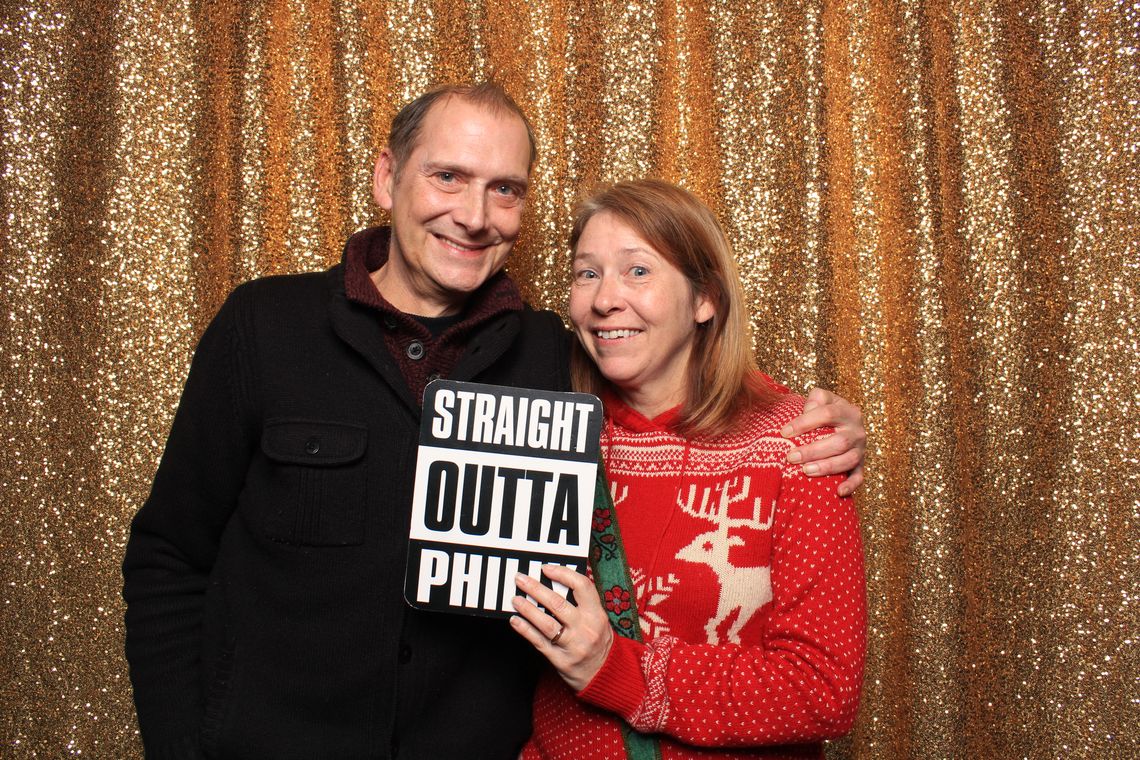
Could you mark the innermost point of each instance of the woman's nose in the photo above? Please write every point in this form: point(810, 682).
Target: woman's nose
point(608, 297)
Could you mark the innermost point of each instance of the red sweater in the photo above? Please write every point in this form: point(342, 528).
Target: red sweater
point(750, 591)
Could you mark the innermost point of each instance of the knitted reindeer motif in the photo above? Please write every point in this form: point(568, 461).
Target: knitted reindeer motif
point(743, 590)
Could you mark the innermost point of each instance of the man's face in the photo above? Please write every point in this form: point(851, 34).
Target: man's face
point(456, 206)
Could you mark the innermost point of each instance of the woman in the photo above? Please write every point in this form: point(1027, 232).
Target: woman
point(748, 575)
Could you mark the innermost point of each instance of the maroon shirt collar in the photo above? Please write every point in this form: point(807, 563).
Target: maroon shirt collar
point(367, 251)
point(420, 356)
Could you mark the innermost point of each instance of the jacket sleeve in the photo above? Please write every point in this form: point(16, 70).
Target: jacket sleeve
point(174, 541)
point(801, 682)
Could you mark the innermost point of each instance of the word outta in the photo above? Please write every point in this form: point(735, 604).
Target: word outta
point(475, 513)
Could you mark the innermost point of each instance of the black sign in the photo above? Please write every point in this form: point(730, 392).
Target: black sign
point(504, 484)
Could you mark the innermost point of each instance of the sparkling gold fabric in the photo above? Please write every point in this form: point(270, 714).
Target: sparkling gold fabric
point(935, 208)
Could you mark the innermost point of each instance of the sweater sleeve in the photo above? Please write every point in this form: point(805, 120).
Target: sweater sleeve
point(174, 541)
point(800, 682)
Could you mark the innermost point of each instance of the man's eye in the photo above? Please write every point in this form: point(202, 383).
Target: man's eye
point(586, 274)
point(446, 176)
point(507, 190)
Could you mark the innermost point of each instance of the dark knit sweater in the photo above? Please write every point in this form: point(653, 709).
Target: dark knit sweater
point(264, 574)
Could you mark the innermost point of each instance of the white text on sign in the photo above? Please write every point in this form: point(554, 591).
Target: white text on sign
point(475, 581)
point(509, 421)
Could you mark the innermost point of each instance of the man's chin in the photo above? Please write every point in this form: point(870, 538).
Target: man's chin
point(466, 279)
point(456, 291)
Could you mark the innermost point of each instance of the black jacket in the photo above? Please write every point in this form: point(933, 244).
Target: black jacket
point(264, 574)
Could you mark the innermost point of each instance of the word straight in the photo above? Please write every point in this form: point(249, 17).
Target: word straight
point(504, 420)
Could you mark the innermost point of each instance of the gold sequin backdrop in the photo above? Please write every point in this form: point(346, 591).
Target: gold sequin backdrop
point(934, 205)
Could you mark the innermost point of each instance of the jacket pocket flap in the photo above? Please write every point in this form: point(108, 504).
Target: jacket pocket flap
point(313, 443)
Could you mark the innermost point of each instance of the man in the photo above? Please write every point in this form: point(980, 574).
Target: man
point(264, 574)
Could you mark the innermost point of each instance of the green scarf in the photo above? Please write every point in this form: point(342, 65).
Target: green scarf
point(611, 576)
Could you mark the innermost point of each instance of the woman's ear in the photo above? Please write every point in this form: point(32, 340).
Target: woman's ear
point(703, 309)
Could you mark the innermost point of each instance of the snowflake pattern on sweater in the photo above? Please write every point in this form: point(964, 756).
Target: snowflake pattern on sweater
point(748, 578)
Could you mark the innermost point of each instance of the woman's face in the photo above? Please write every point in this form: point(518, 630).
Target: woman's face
point(635, 314)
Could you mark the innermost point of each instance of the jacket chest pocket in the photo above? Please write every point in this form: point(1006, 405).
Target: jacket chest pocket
point(315, 483)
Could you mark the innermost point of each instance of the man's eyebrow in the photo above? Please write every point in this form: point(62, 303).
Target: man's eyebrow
point(437, 166)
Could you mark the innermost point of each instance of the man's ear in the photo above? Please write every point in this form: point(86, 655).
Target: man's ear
point(384, 179)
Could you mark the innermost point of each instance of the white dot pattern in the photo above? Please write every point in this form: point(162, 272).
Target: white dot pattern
point(750, 590)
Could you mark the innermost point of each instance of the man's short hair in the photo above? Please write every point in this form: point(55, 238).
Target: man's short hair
point(403, 137)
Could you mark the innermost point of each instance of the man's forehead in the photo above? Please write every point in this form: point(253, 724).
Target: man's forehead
point(454, 110)
point(456, 122)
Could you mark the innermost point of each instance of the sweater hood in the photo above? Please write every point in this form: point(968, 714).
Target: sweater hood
point(629, 418)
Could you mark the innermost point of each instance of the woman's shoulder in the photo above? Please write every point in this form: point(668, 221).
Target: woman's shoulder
point(766, 421)
point(769, 418)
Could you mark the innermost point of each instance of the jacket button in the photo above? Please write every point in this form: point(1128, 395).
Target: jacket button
point(415, 350)
point(313, 445)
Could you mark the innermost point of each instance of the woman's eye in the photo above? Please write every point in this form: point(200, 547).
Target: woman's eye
point(638, 271)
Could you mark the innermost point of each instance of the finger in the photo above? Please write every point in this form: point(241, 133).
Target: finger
point(854, 480)
point(831, 445)
point(820, 416)
point(818, 397)
point(554, 602)
point(585, 593)
point(836, 465)
point(528, 631)
point(546, 625)
point(567, 577)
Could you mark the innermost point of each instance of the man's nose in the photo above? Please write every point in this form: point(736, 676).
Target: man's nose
point(472, 211)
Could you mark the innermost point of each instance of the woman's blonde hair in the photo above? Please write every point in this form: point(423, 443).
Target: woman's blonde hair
point(722, 375)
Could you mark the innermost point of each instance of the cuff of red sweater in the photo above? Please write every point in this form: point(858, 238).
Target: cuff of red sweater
point(619, 686)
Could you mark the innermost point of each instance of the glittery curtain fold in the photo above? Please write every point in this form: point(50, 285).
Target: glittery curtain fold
point(934, 206)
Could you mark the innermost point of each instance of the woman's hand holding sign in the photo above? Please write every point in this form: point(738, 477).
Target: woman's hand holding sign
point(575, 639)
